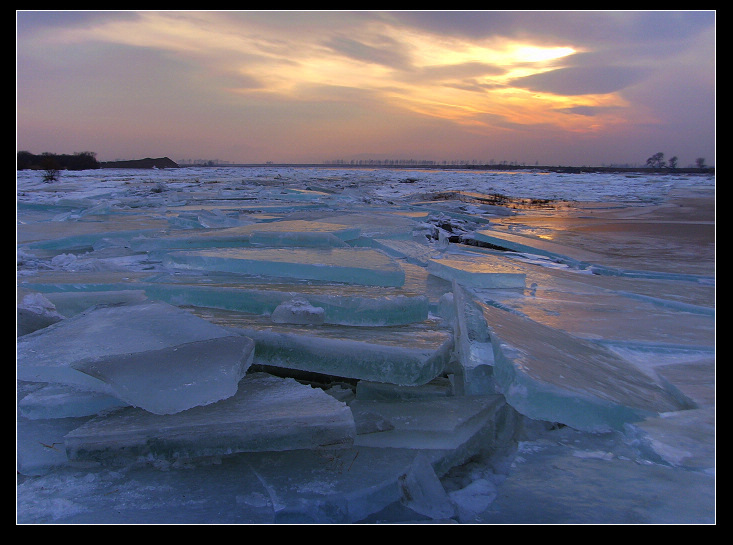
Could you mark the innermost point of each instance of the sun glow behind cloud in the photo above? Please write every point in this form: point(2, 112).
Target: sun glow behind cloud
point(290, 68)
point(283, 64)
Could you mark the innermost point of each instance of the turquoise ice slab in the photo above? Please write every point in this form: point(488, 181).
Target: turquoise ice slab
point(151, 355)
point(477, 270)
point(267, 414)
point(408, 355)
point(547, 374)
point(351, 265)
point(365, 309)
point(69, 235)
point(275, 233)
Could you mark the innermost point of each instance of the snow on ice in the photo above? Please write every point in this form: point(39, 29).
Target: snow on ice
point(258, 345)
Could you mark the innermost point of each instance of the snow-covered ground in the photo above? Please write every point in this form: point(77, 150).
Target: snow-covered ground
point(498, 346)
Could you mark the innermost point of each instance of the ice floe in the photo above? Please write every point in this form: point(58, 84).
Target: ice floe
point(265, 345)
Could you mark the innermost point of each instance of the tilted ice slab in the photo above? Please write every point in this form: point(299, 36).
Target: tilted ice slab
point(151, 355)
point(547, 374)
point(474, 352)
point(276, 233)
point(63, 401)
point(407, 355)
point(34, 312)
point(78, 235)
point(352, 265)
point(477, 270)
point(335, 303)
point(266, 414)
point(437, 423)
point(519, 243)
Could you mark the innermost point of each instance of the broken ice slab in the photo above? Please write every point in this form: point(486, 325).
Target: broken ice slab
point(266, 414)
point(276, 233)
point(350, 485)
point(374, 223)
point(40, 443)
point(680, 438)
point(413, 251)
point(297, 311)
point(379, 391)
point(473, 363)
point(351, 265)
point(81, 281)
point(84, 234)
point(407, 355)
point(477, 270)
point(72, 303)
point(612, 308)
point(63, 401)
point(34, 311)
point(315, 240)
point(150, 355)
point(435, 423)
point(338, 303)
point(547, 374)
point(322, 486)
point(519, 243)
point(577, 478)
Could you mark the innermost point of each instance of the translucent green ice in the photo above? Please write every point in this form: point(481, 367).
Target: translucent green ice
point(352, 265)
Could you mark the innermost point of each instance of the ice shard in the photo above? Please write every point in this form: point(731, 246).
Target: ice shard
point(474, 352)
point(150, 355)
point(550, 375)
point(267, 414)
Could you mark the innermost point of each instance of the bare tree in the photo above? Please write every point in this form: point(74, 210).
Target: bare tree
point(50, 169)
point(656, 161)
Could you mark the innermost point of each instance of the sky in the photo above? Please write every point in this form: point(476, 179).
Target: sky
point(526, 87)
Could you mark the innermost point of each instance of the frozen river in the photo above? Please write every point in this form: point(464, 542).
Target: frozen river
point(269, 344)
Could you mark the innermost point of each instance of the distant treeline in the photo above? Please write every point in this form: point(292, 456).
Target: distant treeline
point(158, 162)
point(84, 160)
point(78, 161)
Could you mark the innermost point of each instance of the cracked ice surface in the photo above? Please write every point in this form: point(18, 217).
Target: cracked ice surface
point(292, 345)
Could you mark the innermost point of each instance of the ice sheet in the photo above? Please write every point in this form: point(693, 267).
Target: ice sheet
point(612, 327)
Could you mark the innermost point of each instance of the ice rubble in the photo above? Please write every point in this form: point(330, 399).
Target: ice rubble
point(193, 357)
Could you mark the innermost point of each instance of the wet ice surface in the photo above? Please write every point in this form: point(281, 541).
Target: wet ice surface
point(300, 345)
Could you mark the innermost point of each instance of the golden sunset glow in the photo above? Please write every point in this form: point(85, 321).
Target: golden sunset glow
point(363, 65)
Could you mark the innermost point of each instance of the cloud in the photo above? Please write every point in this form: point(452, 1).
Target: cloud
point(387, 53)
point(581, 80)
point(271, 76)
point(458, 71)
point(583, 28)
point(588, 111)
